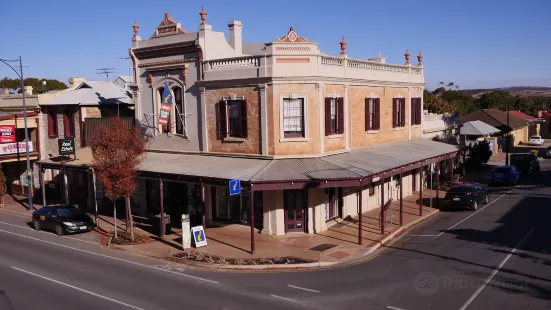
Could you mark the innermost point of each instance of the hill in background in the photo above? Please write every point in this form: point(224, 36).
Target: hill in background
point(522, 91)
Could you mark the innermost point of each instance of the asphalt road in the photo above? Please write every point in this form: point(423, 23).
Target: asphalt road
point(496, 258)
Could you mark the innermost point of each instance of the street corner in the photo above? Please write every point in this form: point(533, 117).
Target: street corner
point(426, 283)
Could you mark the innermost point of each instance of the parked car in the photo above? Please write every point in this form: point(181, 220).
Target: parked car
point(505, 175)
point(547, 153)
point(466, 196)
point(526, 162)
point(536, 140)
point(62, 219)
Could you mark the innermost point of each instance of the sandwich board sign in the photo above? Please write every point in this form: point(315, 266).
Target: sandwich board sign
point(199, 236)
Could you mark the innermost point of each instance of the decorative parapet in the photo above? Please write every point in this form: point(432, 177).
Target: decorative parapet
point(232, 63)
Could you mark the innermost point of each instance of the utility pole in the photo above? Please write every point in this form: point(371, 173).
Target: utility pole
point(508, 137)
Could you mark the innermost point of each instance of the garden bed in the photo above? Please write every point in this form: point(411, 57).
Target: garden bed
point(212, 259)
point(123, 238)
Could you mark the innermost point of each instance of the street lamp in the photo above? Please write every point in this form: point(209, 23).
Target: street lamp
point(28, 173)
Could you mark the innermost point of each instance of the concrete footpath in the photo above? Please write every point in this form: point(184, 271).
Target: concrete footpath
point(229, 246)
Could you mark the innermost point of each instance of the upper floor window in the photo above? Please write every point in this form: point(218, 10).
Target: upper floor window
point(52, 124)
point(69, 124)
point(232, 115)
point(179, 109)
point(372, 114)
point(293, 118)
point(398, 112)
point(334, 116)
point(416, 111)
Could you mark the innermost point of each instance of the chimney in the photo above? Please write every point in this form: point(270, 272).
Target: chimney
point(28, 90)
point(75, 81)
point(236, 41)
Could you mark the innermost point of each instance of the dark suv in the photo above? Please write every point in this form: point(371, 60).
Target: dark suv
point(526, 163)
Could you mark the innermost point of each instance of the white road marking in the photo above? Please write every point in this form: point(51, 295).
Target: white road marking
point(463, 220)
point(303, 288)
point(284, 298)
point(10, 212)
point(468, 302)
point(28, 228)
point(78, 289)
point(424, 235)
point(395, 308)
point(110, 257)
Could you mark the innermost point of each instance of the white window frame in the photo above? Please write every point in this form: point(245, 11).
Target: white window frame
point(304, 98)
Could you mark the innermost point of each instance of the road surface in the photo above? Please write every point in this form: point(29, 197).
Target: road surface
point(496, 258)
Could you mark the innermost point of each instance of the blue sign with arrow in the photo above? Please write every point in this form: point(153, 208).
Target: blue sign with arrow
point(235, 187)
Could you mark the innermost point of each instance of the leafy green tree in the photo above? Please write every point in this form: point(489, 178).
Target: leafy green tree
point(496, 99)
point(51, 84)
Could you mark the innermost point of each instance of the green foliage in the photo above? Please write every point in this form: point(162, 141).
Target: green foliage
point(480, 152)
point(496, 99)
point(51, 84)
point(3, 188)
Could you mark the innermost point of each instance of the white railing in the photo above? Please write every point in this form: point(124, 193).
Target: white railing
point(232, 63)
point(416, 70)
point(369, 65)
point(331, 61)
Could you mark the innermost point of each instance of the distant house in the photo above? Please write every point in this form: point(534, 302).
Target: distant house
point(442, 127)
point(534, 127)
point(123, 82)
point(545, 119)
point(518, 127)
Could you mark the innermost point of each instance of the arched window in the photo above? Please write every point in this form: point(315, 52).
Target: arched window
point(178, 109)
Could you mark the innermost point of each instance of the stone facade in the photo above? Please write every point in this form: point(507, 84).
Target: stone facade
point(51, 147)
point(249, 145)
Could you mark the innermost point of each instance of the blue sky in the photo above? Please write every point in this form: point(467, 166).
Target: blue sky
point(483, 43)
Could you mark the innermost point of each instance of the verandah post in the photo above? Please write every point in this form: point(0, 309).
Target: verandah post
point(360, 239)
point(252, 221)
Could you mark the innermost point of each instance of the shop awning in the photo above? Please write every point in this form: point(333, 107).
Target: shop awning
point(351, 166)
point(82, 162)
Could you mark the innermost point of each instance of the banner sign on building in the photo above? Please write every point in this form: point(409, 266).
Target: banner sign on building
point(7, 133)
point(166, 106)
point(14, 148)
point(66, 146)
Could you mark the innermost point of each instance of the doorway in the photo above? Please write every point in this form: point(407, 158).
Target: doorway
point(295, 205)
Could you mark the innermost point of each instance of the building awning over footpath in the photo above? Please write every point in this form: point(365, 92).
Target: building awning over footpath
point(363, 165)
point(347, 169)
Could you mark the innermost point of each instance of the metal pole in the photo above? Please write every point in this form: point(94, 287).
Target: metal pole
point(360, 238)
point(252, 221)
point(95, 195)
point(115, 216)
point(421, 191)
point(26, 136)
point(162, 205)
point(438, 185)
point(391, 196)
point(430, 190)
point(401, 200)
point(42, 186)
point(382, 216)
point(508, 137)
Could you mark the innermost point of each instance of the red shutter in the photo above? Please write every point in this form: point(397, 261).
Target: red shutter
point(222, 124)
point(419, 111)
point(66, 125)
point(51, 124)
point(412, 111)
point(377, 114)
point(328, 116)
point(243, 119)
point(394, 116)
point(367, 113)
point(403, 112)
point(340, 116)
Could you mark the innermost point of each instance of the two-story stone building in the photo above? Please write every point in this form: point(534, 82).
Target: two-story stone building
point(311, 137)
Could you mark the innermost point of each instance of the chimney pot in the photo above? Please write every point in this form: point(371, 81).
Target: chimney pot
point(28, 90)
point(75, 81)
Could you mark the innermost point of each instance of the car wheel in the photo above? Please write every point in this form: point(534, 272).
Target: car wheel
point(59, 230)
point(514, 182)
point(487, 199)
point(475, 206)
point(36, 225)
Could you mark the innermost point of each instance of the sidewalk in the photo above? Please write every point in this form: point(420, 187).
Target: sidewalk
point(338, 244)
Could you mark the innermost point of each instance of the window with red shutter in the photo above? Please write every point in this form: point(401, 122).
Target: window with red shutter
point(340, 113)
point(377, 114)
point(237, 119)
point(69, 124)
point(368, 114)
point(419, 111)
point(329, 117)
point(52, 124)
point(394, 113)
point(413, 109)
point(402, 112)
point(222, 121)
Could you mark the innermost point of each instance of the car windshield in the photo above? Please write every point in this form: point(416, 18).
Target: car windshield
point(69, 211)
point(502, 170)
point(535, 137)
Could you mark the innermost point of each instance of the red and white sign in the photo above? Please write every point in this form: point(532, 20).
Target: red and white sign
point(7, 133)
point(14, 148)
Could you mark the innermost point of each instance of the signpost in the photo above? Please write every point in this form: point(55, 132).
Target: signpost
point(199, 236)
point(66, 146)
point(186, 233)
point(7, 133)
point(235, 187)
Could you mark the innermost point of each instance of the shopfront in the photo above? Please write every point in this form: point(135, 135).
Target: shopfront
point(236, 208)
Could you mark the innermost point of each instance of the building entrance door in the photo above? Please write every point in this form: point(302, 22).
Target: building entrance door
point(295, 205)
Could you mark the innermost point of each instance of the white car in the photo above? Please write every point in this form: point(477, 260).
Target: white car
point(536, 140)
